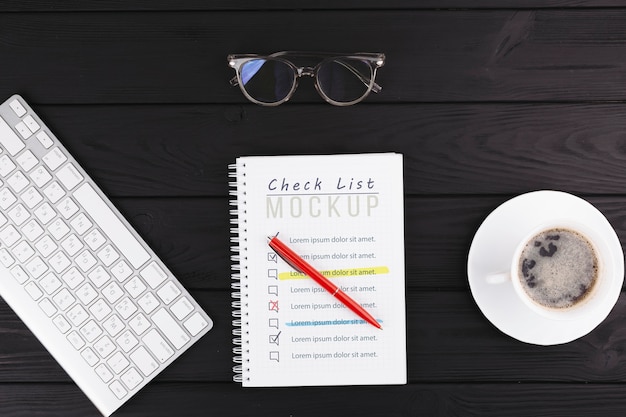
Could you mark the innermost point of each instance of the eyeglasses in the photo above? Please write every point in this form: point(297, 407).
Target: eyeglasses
point(341, 79)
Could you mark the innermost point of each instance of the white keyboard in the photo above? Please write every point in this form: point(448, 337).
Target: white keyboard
point(78, 275)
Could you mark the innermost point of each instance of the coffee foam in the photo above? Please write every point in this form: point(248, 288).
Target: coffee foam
point(558, 268)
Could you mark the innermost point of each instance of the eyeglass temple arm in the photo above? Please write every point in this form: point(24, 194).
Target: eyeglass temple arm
point(375, 87)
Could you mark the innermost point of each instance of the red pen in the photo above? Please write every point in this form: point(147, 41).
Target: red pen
point(300, 265)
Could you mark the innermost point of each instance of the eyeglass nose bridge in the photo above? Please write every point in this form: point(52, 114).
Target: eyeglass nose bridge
point(302, 71)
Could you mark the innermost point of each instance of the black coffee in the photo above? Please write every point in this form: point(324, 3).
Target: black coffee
point(558, 268)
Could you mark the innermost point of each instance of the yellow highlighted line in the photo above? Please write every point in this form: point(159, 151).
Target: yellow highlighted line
point(339, 273)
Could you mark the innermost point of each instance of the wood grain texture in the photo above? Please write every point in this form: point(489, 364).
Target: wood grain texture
point(449, 149)
point(449, 340)
point(199, 400)
point(265, 5)
point(192, 236)
point(432, 55)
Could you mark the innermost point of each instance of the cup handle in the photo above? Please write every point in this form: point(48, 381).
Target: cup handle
point(498, 278)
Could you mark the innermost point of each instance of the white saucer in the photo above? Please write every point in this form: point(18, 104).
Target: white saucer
point(491, 252)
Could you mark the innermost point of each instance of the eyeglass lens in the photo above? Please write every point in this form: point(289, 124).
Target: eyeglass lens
point(267, 80)
point(341, 79)
point(344, 79)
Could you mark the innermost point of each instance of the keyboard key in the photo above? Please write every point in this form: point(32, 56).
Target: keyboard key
point(33, 290)
point(81, 224)
point(153, 274)
point(36, 267)
point(19, 214)
point(9, 235)
point(45, 213)
point(72, 245)
point(54, 192)
point(17, 181)
point(77, 315)
point(126, 308)
point(121, 271)
point(61, 324)
point(195, 324)
point(40, 176)
point(103, 372)
point(170, 328)
point(131, 378)
point(87, 293)
point(31, 197)
point(127, 341)
point(6, 165)
point(22, 251)
point(113, 292)
point(54, 158)
point(27, 160)
point(157, 345)
point(17, 107)
point(31, 123)
point(67, 208)
point(99, 276)
point(60, 262)
point(5, 258)
point(118, 389)
point(90, 331)
point(58, 229)
point(94, 239)
point(108, 255)
point(47, 307)
point(44, 139)
point(90, 356)
point(9, 140)
point(168, 292)
point(104, 347)
point(113, 325)
point(7, 198)
point(50, 283)
point(144, 361)
point(135, 287)
point(139, 324)
point(46, 246)
point(100, 309)
point(75, 339)
point(23, 130)
point(148, 303)
point(69, 176)
point(72, 278)
point(32, 230)
point(182, 308)
point(63, 299)
point(85, 261)
point(102, 214)
point(3, 219)
point(19, 274)
point(118, 362)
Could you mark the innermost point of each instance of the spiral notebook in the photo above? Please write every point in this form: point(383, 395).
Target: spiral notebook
point(344, 215)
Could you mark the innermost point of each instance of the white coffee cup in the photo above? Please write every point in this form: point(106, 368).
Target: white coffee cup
point(598, 294)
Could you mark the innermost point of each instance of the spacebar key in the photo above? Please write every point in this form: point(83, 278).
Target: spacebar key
point(111, 225)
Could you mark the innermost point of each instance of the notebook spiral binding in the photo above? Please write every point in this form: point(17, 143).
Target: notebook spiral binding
point(238, 251)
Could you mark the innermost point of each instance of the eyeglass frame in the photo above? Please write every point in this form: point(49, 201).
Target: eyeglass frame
point(375, 61)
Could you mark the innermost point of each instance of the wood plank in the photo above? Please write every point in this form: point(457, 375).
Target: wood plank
point(192, 236)
point(327, 5)
point(433, 55)
point(485, 400)
point(448, 148)
point(448, 339)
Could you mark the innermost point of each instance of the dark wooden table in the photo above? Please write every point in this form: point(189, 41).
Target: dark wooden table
point(486, 101)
